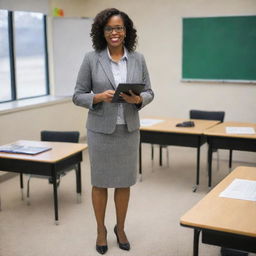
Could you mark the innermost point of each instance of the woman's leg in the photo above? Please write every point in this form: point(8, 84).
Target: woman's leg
point(99, 201)
point(122, 196)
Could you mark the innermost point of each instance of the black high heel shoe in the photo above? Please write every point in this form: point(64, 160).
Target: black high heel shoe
point(123, 246)
point(102, 249)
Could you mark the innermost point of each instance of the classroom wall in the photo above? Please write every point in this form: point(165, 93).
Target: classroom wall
point(27, 124)
point(74, 8)
point(159, 25)
point(25, 5)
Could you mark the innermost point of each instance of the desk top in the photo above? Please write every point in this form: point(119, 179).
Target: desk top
point(220, 130)
point(225, 214)
point(59, 151)
point(169, 125)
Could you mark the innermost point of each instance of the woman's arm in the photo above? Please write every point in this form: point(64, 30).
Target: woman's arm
point(105, 96)
point(83, 95)
point(148, 95)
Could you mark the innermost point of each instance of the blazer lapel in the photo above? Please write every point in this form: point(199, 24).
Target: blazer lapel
point(104, 60)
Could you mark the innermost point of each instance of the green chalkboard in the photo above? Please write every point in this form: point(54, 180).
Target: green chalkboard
point(219, 48)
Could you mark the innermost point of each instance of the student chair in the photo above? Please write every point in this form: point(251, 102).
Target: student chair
point(57, 136)
point(210, 115)
point(207, 115)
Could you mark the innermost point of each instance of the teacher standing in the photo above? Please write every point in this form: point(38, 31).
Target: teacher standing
point(112, 128)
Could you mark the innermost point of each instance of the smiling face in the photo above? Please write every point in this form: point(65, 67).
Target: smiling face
point(114, 32)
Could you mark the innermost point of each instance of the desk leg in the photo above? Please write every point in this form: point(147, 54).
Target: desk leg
point(78, 183)
point(21, 186)
point(196, 241)
point(197, 169)
point(55, 197)
point(198, 165)
point(230, 158)
point(209, 165)
point(160, 155)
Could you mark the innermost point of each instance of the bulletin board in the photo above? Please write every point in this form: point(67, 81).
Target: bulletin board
point(219, 49)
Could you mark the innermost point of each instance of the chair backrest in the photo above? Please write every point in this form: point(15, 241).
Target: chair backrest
point(70, 136)
point(207, 115)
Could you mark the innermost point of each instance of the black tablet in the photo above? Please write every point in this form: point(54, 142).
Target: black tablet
point(136, 88)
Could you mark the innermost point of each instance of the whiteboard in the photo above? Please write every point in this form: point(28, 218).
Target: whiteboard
point(71, 40)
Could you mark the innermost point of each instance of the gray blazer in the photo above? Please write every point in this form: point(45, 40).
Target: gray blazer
point(95, 76)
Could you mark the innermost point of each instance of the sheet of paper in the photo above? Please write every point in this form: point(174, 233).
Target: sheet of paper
point(240, 130)
point(241, 189)
point(149, 122)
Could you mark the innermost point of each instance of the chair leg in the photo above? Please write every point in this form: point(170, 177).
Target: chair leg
point(152, 156)
point(21, 186)
point(28, 183)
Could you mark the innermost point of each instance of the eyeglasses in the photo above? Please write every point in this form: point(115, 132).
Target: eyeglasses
point(118, 29)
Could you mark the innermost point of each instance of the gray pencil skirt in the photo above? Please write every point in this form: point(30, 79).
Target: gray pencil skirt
point(113, 157)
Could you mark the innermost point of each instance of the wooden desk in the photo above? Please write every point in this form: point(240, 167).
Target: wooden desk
point(225, 222)
point(166, 133)
point(49, 163)
point(218, 138)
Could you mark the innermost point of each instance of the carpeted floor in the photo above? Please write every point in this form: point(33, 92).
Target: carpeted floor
point(152, 226)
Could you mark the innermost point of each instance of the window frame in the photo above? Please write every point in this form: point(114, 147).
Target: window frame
point(13, 84)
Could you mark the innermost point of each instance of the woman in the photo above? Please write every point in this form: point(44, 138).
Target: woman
point(112, 128)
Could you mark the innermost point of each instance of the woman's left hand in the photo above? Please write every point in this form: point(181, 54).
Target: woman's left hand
point(135, 99)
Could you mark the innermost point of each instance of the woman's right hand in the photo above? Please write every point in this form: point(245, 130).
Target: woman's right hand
point(105, 96)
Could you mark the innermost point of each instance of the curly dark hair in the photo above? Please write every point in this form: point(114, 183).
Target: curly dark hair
point(99, 42)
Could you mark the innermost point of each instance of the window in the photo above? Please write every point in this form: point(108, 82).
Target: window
point(5, 73)
point(23, 59)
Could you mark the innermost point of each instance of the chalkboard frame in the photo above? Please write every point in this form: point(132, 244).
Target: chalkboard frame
point(199, 46)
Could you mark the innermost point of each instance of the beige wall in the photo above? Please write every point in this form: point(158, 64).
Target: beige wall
point(25, 5)
point(72, 8)
point(27, 124)
point(159, 25)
